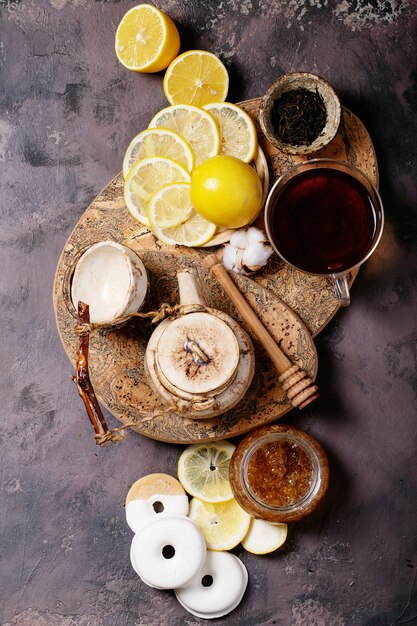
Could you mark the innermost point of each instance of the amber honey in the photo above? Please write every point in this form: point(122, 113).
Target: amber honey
point(279, 473)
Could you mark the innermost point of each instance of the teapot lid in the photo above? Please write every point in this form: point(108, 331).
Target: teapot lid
point(198, 353)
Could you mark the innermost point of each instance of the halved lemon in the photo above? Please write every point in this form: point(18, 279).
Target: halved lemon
point(196, 77)
point(237, 131)
point(203, 471)
point(196, 126)
point(264, 537)
point(158, 142)
point(147, 176)
point(147, 40)
point(223, 524)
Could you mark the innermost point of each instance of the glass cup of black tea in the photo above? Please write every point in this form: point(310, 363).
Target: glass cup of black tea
point(325, 217)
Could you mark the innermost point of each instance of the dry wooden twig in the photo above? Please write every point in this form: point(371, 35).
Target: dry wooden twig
point(83, 383)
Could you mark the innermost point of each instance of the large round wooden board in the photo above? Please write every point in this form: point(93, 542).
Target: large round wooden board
point(280, 296)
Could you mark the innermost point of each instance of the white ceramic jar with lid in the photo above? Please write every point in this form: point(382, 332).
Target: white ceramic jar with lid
point(200, 361)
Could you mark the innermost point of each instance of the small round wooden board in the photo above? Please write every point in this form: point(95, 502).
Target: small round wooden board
point(292, 305)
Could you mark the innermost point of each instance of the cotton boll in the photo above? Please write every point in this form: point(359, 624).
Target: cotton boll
point(229, 257)
point(239, 239)
point(239, 269)
point(255, 235)
point(247, 252)
point(232, 259)
point(256, 255)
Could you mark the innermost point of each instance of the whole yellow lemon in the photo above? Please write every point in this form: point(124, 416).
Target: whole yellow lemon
point(226, 191)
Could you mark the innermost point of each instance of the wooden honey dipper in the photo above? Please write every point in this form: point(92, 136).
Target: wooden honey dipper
point(299, 387)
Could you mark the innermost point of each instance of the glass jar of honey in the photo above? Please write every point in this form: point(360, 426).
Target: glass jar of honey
point(279, 473)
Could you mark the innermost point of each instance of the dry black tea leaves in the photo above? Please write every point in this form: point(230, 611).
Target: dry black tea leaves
point(298, 116)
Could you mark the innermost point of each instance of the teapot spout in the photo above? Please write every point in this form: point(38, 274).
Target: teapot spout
point(188, 288)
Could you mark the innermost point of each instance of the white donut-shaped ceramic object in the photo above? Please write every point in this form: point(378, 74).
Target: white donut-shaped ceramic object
point(218, 587)
point(141, 577)
point(152, 495)
point(140, 512)
point(168, 551)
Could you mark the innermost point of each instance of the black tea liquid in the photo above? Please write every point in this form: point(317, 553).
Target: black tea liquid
point(323, 221)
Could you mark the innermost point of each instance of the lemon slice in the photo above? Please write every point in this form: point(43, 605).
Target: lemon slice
point(196, 126)
point(264, 537)
point(158, 142)
point(196, 77)
point(147, 40)
point(170, 206)
point(194, 232)
point(203, 470)
point(237, 131)
point(173, 219)
point(144, 178)
point(223, 524)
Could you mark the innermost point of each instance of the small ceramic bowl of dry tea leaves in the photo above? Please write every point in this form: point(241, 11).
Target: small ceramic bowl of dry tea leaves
point(300, 113)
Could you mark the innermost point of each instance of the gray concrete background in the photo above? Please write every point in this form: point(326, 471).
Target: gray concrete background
point(67, 112)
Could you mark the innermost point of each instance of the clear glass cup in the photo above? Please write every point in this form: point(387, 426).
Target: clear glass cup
point(353, 184)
